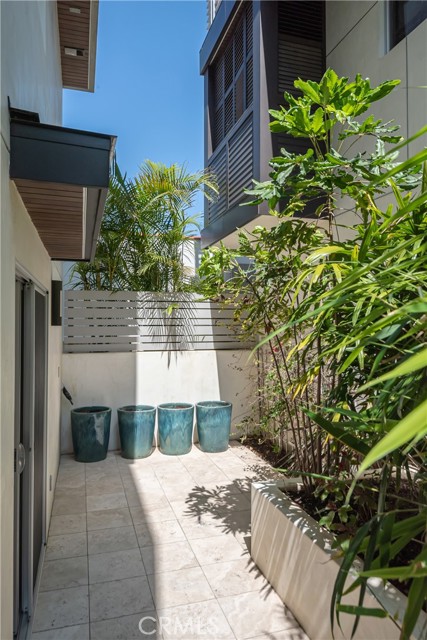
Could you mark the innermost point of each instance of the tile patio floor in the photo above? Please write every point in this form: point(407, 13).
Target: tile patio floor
point(163, 538)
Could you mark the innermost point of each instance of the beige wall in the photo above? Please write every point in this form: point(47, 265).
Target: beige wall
point(356, 42)
point(153, 377)
point(31, 77)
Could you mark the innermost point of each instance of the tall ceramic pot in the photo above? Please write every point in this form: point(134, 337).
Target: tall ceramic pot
point(213, 419)
point(175, 425)
point(136, 429)
point(90, 429)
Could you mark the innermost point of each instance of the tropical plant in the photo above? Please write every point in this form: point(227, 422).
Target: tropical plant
point(339, 313)
point(146, 231)
point(327, 114)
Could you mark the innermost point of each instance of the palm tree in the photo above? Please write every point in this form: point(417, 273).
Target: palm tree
point(146, 230)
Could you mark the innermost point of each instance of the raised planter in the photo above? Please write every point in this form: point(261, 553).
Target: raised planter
point(90, 429)
point(294, 553)
point(175, 428)
point(213, 419)
point(136, 429)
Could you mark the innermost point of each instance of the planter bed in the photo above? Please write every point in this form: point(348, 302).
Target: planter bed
point(295, 555)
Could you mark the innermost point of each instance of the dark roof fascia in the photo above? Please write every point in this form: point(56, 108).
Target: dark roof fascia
point(222, 18)
point(64, 156)
point(49, 153)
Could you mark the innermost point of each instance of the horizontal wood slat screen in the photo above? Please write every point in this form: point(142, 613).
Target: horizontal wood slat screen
point(123, 321)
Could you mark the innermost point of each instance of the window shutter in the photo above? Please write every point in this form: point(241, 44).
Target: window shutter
point(233, 78)
point(300, 47)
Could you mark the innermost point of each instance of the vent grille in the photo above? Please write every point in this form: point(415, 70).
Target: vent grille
point(233, 169)
point(229, 112)
point(228, 67)
point(301, 18)
point(249, 27)
point(219, 82)
point(219, 125)
point(219, 168)
point(238, 47)
point(239, 98)
point(249, 82)
point(240, 163)
point(300, 42)
point(297, 60)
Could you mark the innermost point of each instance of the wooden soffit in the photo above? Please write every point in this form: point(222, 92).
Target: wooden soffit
point(62, 176)
point(78, 28)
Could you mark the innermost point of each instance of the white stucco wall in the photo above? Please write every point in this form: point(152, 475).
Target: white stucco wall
point(153, 377)
point(31, 77)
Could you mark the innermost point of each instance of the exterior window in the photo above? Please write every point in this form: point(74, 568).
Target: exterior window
point(232, 79)
point(404, 16)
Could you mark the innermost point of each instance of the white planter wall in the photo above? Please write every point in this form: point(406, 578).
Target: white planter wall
point(295, 556)
point(153, 377)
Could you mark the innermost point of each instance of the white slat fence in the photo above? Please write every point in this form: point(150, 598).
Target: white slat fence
point(123, 321)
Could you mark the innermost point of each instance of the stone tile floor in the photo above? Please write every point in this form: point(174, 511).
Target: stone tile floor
point(157, 548)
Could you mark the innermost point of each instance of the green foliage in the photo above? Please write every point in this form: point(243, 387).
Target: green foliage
point(145, 231)
point(341, 310)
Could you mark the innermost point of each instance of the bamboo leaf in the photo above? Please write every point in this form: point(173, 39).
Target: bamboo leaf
point(362, 611)
point(340, 433)
point(410, 365)
point(413, 426)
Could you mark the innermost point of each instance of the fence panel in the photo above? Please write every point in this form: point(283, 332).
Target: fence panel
point(123, 321)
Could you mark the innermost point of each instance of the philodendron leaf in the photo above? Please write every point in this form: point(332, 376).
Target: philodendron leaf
point(411, 427)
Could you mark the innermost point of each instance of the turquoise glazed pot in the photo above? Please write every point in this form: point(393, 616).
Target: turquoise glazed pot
point(90, 428)
point(175, 423)
point(136, 429)
point(213, 419)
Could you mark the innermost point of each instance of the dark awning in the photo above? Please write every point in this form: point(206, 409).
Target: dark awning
point(62, 176)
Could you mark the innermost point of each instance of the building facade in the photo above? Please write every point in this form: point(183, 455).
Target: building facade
point(51, 209)
point(253, 52)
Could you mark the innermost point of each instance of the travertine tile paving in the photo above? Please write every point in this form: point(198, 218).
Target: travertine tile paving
point(157, 548)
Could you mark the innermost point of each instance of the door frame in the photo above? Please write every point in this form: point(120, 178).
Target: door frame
point(27, 379)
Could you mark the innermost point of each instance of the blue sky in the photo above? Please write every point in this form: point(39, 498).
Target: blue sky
point(148, 90)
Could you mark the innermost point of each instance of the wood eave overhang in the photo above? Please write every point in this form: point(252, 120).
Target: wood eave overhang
point(78, 29)
point(62, 176)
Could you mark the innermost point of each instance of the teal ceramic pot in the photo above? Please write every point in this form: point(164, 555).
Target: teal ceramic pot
point(136, 429)
point(90, 428)
point(175, 424)
point(213, 419)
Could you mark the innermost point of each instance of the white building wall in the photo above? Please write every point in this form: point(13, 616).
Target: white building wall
point(31, 78)
point(154, 377)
